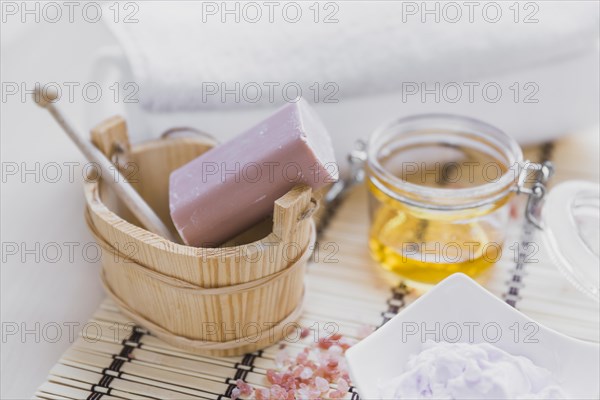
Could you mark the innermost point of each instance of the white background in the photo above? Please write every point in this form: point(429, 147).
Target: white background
point(44, 292)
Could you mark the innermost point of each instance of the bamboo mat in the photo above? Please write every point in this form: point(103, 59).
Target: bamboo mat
point(114, 359)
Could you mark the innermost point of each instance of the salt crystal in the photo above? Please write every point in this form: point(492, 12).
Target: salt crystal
point(342, 385)
point(235, 393)
point(262, 394)
point(277, 392)
point(321, 384)
point(273, 377)
point(306, 373)
point(244, 388)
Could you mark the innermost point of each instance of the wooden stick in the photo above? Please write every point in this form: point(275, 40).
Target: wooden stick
point(117, 182)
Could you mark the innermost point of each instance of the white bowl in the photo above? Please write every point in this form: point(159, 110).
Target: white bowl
point(459, 305)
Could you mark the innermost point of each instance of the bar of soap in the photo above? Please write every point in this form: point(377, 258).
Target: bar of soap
point(234, 185)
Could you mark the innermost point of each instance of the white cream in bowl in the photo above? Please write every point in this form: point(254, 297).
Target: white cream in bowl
point(470, 371)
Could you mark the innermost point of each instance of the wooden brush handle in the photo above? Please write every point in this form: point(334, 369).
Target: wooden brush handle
point(117, 182)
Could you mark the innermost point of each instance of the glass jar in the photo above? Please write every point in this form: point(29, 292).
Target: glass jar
point(439, 195)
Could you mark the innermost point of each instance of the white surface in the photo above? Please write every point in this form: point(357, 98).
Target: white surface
point(42, 292)
point(68, 291)
point(460, 301)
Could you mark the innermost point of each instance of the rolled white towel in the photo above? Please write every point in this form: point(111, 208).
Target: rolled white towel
point(185, 56)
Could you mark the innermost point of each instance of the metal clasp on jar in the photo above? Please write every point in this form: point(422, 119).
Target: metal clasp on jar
point(356, 159)
point(542, 173)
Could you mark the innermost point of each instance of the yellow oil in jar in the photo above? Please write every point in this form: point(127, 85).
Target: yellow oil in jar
point(427, 245)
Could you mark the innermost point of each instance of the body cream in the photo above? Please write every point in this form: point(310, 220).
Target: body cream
point(470, 371)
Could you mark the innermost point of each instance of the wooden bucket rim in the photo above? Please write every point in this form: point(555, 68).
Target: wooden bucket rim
point(185, 286)
point(95, 204)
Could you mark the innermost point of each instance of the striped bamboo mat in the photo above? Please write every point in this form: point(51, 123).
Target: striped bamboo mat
point(115, 359)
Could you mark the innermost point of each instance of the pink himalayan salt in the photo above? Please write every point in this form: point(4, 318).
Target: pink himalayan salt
point(262, 394)
point(273, 377)
point(306, 373)
point(277, 392)
point(328, 341)
point(245, 389)
point(326, 363)
point(321, 384)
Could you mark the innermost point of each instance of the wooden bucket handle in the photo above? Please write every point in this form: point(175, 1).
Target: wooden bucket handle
point(292, 209)
point(111, 138)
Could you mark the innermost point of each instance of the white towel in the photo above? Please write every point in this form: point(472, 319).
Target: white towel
point(370, 54)
point(179, 51)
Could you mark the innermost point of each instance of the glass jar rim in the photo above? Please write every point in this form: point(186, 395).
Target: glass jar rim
point(490, 190)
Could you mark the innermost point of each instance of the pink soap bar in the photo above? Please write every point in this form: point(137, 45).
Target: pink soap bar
point(234, 185)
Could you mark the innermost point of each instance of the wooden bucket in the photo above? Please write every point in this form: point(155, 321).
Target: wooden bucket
point(218, 301)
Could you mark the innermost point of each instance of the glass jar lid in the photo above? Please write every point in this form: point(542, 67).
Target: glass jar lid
point(571, 216)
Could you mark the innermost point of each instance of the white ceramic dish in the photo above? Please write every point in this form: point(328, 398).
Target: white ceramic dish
point(459, 305)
